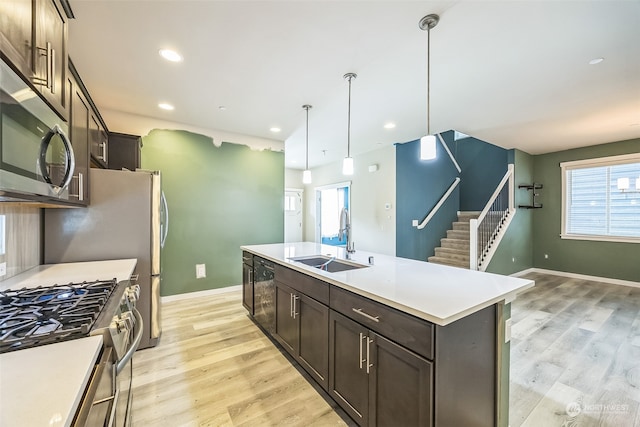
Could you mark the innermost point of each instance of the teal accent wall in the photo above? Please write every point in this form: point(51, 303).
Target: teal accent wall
point(515, 252)
point(219, 199)
point(419, 186)
point(482, 167)
point(421, 183)
point(602, 259)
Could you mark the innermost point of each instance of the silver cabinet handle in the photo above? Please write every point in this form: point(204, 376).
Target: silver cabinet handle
point(290, 305)
point(47, 52)
point(369, 341)
point(368, 316)
point(360, 359)
point(295, 298)
point(80, 194)
point(52, 62)
point(103, 147)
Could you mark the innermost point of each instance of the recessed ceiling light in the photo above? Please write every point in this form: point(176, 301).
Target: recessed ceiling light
point(166, 106)
point(170, 55)
point(275, 129)
point(389, 125)
point(595, 61)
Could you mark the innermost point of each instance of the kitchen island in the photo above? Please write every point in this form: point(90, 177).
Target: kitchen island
point(391, 340)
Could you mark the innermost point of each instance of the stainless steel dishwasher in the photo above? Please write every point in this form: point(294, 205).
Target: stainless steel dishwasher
point(264, 290)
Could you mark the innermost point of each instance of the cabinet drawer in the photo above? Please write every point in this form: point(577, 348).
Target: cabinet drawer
point(408, 331)
point(309, 286)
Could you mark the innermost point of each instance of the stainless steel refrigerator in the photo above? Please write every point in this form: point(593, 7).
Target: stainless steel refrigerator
point(127, 218)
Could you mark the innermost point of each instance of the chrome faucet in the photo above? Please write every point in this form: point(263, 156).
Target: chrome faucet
point(345, 229)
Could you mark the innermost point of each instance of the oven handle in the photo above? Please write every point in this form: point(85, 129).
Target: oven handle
point(134, 346)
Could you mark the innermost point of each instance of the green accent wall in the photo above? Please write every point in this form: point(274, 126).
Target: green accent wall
point(602, 259)
point(515, 252)
point(219, 198)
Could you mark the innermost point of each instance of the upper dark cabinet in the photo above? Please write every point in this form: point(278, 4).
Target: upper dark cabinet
point(33, 38)
point(98, 141)
point(124, 151)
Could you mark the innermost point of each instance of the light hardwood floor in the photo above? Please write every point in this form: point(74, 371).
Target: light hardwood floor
point(573, 341)
point(575, 344)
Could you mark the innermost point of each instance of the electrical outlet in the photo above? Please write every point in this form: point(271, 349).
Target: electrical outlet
point(546, 256)
point(3, 269)
point(201, 271)
point(513, 259)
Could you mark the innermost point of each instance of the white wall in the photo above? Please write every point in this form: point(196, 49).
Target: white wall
point(293, 178)
point(374, 227)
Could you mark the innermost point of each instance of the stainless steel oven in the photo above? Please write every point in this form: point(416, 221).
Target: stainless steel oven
point(36, 156)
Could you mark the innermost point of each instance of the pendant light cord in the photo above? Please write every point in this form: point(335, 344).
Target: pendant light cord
point(428, 81)
point(349, 122)
point(306, 107)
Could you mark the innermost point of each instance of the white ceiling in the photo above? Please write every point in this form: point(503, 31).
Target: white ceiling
point(512, 73)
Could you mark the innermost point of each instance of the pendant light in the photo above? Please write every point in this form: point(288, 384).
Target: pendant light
point(306, 175)
point(347, 164)
point(428, 142)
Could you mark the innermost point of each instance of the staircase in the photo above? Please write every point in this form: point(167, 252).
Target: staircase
point(454, 249)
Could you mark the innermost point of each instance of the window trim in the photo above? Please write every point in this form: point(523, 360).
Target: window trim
point(594, 162)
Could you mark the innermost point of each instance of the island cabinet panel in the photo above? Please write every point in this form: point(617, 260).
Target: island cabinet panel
point(310, 286)
point(376, 381)
point(302, 328)
point(408, 331)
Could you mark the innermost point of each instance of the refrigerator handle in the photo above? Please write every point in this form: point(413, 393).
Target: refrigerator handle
point(165, 226)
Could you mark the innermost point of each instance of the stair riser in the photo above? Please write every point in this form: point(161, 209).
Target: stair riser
point(461, 226)
point(458, 234)
point(454, 244)
point(452, 256)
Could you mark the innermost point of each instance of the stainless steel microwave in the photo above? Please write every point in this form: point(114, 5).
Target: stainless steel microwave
point(36, 156)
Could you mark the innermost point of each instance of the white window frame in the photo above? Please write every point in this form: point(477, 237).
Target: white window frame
point(597, 162)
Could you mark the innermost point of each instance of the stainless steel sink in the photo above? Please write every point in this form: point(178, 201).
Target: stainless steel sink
point(327, 263)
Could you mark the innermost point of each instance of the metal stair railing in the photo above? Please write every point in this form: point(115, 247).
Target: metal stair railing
point(486, 231)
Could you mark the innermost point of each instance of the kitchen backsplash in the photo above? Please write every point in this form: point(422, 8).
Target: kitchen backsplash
point(22, 238)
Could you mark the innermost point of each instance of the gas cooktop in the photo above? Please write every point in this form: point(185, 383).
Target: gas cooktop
point(45, 315)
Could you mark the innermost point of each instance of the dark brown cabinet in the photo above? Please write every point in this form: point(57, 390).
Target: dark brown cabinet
point(50, 53)
point(33, 37)
point(302, 329)
point(124, 151)
point(98, 141)
point(376, 381)
point(79, 110)
point(16, 26)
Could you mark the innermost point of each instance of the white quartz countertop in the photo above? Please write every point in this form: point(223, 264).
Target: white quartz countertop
point(437, 293)
point(41, 386)
point(64, 273)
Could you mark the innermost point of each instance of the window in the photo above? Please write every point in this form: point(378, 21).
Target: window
point(601, 199)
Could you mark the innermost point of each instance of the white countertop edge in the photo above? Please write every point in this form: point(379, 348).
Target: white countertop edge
point(441, 321)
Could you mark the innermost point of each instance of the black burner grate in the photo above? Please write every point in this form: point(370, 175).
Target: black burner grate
point(44, 315)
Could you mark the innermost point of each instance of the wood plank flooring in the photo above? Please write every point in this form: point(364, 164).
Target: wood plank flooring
point(575, 345)
point(575, 354)
point(215, 367)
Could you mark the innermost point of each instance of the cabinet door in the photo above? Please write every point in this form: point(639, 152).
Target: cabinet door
point(247, 287)
point(286, 321)
point(16, 21)
point(79, 136)
point(313, 338)
point(50, 53)
point(400, 385)
point(348, 378)
point(98, 142)
point(124, 151)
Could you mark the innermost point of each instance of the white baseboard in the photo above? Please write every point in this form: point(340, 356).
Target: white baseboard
point(198, 294)
point(578, 276)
